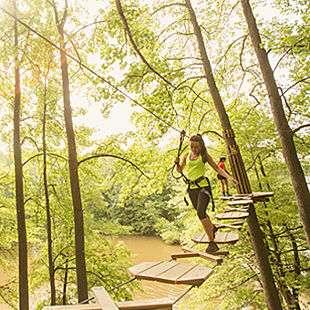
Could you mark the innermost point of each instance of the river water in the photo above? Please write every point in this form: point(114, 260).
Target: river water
point(151, 249)
point(145, 249)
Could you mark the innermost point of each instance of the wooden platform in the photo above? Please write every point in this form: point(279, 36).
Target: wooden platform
point(189, 252)
point(105, 302)
point(255, 194)
point(228, 209)
point(232, 215)
point(171, 272)
point(147, 304)
point(151, 304)
point(230, 226)
point(220, 237)
point(226, 197)
point(243, 202)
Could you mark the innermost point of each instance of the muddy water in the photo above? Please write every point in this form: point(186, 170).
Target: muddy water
point(145, 249)
point(149, 249)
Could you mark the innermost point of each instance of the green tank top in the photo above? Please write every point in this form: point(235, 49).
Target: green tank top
point(195, 169)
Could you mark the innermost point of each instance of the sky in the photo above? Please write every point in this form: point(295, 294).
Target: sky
point(119, 118)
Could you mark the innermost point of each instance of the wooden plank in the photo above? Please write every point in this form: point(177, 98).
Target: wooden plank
point(74, 307)
point(134, 270)
point(232, 215)
point(147, 304)
point(262, 194)
point(236, 223)
point(196, 276)
point(184, 255)
point(220, 225)
point(163, 304)
point(103, 298)
point(157, 270)
point(240, 202)
point(204, 255)
point(173, 274)
point(220, 237)
point(226, 197)
point(245, 196)
point(228, 209)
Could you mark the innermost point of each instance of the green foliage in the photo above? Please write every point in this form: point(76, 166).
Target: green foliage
point(117, 197)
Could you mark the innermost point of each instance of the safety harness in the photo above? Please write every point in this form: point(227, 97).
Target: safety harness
point(187, 180)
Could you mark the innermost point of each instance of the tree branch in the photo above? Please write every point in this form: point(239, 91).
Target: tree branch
point(257, 155)
point(300, 127)
point(40, 154)
point(127, 29)
point(114, 156)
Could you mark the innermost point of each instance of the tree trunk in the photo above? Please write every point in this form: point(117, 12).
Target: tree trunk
point(65, 284)
point(285, 132)
point(48, 212)
point(74, 180)
point(234, 156)
point(19, 191)
point(237, 165)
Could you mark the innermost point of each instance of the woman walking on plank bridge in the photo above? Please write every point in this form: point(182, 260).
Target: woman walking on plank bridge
point(198, 188)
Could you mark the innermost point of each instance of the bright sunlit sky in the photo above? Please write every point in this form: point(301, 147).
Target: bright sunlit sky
point(119, 118)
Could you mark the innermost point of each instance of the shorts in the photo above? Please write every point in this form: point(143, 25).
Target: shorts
point(200, 198)
point(220, 177)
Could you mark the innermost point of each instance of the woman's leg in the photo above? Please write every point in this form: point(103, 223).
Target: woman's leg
point(226, 185)
point(222, 185)
point(202, 204)
point(200, 200)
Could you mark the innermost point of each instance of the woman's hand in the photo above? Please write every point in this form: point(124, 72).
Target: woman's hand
point(235, 182)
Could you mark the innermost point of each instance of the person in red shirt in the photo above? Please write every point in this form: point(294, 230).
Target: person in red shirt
point(222, 179)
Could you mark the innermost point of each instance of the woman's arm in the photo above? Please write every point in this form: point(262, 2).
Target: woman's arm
point(182, 163)
point(219, 170)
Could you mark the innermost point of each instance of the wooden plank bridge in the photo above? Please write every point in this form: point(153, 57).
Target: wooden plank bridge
point(175, 272)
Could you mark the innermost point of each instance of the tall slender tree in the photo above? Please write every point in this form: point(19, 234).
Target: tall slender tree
point(47, 203)
point(286, 134)
point(19, 190)
point(261, 253)
point(73, 162)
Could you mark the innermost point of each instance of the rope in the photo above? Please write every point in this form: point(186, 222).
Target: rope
point(120, 285)
point(181, 296)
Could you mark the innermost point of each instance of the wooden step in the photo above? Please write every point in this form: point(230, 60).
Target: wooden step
point(254, 195)
point(226, 197)
point(243, 202)
point(189, 252)
point(232, 215)
point(220, 237)
point(206, 255)
point(144, 304)
point(228, 209)
point(103, 299)
point(230, 226)
point(74, 307)
point(151, 304)
point(171, 272)
point(236, 223)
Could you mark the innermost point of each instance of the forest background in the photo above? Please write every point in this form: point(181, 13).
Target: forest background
point(125, 178)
